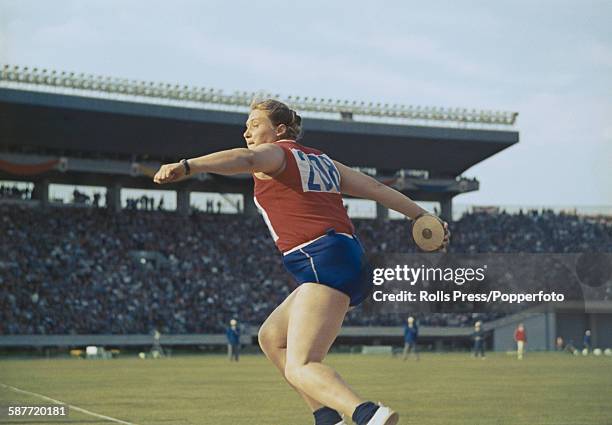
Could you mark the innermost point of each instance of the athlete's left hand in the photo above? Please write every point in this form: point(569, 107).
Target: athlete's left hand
point(169, 173)
point(446, 237)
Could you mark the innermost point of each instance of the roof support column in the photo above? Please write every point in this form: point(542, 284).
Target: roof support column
point(249, 207)
point(182, 201)
point(113, 197)
point(446, 205)
point(41, 192)
point(382, 212)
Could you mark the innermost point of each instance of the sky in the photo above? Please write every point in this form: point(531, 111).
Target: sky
point(551, 61)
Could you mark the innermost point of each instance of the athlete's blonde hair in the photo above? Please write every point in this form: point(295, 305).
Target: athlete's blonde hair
point(279, 113)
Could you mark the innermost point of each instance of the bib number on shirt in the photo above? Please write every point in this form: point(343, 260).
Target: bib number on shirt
point(317, 172)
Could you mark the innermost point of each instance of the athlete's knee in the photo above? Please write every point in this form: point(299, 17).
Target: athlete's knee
point(263, 338)
point(293, 374)
point(269, 338)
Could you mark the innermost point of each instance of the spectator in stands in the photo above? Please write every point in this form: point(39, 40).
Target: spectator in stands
point(80, 197)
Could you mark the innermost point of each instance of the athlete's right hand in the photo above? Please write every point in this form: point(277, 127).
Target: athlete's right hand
point(169, 173)
point(447, 234)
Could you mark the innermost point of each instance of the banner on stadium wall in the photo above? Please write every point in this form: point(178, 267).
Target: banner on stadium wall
point(143, 169)
point(28, 169)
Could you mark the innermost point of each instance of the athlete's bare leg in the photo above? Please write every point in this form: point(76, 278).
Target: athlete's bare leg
point(317, 312)
point(273, 341)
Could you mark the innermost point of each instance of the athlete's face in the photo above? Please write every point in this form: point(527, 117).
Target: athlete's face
point(259, 129)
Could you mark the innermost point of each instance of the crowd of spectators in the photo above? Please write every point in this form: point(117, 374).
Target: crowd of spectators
point(144, 202)
point(15, 192)
point(81, 198)
point(91, 271)
point(532, 231)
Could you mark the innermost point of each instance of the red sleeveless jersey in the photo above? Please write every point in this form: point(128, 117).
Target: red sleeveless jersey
point(304, 200)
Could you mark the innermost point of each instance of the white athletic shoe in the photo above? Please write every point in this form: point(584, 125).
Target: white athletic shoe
point(342, 423)
point(384, 416)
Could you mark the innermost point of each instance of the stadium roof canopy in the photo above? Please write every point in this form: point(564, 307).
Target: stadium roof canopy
point(34, 120)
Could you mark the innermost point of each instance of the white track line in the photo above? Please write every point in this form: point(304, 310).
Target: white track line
point(78, 409)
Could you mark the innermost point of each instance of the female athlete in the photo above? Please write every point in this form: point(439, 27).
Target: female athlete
point(298, 190)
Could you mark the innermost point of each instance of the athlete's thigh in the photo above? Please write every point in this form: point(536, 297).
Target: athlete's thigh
point(274, 328)
point(316, 316)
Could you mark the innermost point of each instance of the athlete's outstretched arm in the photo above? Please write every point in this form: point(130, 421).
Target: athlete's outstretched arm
point(355, 183)
point(266, 158)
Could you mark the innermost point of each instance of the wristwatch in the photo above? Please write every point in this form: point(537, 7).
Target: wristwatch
point(186, 165)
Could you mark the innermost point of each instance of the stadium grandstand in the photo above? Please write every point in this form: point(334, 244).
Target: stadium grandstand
point(114, 133)
point(107, 272)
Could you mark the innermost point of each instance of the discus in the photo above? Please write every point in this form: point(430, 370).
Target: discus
point(428, 232)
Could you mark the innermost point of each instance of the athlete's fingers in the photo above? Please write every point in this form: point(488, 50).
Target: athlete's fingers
point(161, 176)
point(168, 173)
point(446, 239)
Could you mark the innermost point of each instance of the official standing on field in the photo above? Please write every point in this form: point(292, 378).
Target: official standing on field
point(411, 334)
point(478, 335)
point(586, 341)
point(233, 340)
point(520, 336)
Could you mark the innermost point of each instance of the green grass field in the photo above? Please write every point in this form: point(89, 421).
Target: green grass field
point(440, 389)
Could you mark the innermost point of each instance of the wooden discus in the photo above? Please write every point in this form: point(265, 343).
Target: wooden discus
point(428, 232)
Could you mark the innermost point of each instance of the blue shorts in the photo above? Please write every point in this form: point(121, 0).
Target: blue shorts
point(336, 260)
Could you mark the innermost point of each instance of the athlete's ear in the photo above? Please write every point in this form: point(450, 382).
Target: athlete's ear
point(281, 130)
